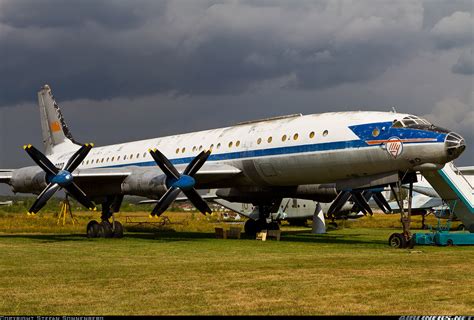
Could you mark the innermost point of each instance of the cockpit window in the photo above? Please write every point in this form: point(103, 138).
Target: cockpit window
point(397, 124)
point(410, 121)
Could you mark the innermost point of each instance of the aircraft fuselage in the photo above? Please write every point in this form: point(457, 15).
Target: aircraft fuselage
point(298, 150)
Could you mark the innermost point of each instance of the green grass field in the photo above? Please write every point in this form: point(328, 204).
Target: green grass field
point(181, 269)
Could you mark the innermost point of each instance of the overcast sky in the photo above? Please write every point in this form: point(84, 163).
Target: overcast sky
point(126, 70)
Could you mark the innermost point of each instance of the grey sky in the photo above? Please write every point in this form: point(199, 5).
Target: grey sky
point(125, 70)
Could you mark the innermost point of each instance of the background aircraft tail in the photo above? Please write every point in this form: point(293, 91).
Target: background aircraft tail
point(56, 134)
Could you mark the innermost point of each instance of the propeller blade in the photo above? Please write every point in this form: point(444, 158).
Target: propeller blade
point(44, 196)
point(41, 160)
point(197, 201)
point(165, 165)
point(184, 182)
point(356, 208)
point(367, 194)
point(80, 196)
point(197, 163)
point(170, 195)
point(77, 157)
point(337, 204)
point(361, 202)
point(382, 202)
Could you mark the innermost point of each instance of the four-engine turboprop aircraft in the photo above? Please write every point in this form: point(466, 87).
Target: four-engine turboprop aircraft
point(319, 157)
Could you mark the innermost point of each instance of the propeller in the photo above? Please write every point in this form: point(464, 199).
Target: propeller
point(177, 182)
point(338, 203)
point(361, 201)
point(381, 202)
point(59, 178)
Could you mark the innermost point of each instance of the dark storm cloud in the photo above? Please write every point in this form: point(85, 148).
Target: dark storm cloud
point(465, 63)
point(105, 49)
point(434, 11)
point(454, 31)
point(59, 14)
point(125, 70)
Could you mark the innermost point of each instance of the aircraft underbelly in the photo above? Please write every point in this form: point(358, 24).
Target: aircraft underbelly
point(323, 167)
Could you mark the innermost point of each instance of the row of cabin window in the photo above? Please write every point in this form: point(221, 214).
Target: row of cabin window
point(86, 162)
point(218, 146)
point(312, 134)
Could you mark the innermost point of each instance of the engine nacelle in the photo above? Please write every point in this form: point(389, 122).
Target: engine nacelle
point(28, 180)
point(145, 183)
point(317, 192)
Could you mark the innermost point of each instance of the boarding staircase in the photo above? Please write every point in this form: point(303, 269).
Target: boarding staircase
point(453, 187)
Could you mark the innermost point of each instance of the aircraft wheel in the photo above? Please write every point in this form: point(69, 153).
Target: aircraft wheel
point(411, 243)
point(251, 227)
point(461, 227)
point(105, 229)
point(272, 226)
point(93, 229)
point(397, 240)
point(118, 230)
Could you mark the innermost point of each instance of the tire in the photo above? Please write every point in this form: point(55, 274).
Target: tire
point(251, 227)
point(117, 230)
point(93, 229)
point(397, 240)
point(450, 243)
point(411, 243)
point(105, 230)
point(333, 225)
point(461, 227)
point(272, 226)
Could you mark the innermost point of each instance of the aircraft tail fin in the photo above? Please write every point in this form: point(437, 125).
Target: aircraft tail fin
point(56, 134)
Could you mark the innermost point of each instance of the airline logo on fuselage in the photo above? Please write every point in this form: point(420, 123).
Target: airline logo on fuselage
point(394, 147)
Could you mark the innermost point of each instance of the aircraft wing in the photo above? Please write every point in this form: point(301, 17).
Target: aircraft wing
point(91, 174)
point(207, 174)
point(427, 191)
point(211, 172)
point(206, 196)
point(5, 175)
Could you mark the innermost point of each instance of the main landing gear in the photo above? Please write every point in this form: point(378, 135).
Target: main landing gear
point(107, 229)
point(404, 239)
point(264, 222)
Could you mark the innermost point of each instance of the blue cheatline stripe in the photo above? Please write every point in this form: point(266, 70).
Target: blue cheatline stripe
point(456, 190)
point(267, 152)
point(386, 131)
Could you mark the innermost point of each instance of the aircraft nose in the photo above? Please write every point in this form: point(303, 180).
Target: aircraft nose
point(454, 145)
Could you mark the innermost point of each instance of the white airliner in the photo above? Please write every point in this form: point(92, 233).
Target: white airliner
point(321, 157)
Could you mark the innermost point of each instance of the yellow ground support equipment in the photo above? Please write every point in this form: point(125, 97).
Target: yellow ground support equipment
point(65, 211)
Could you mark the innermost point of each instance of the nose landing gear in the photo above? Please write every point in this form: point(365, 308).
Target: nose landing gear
point(404, 239)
